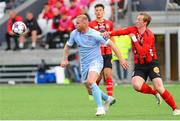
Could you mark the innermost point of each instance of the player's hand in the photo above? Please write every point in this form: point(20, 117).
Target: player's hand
point(105, 34)
point(11, 33)
point(124, 63)
point(64, 63)
point(133, 37)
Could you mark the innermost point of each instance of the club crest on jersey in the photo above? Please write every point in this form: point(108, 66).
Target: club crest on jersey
point(156, 70)
point(90, 37)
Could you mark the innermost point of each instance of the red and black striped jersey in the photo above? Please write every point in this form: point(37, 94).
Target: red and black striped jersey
point(144, 49)
point(106, 25)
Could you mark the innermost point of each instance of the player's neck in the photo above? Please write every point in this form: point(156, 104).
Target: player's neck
point(142, 30)
point(100, 19)
point(85, 30)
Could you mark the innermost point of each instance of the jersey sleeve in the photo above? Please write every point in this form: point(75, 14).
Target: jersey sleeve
point(125, 31)
point(71, 40)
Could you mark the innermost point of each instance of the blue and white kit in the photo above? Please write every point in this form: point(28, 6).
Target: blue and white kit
point(89, 50)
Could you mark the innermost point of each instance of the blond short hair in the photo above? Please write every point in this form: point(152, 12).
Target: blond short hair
point(147, 18)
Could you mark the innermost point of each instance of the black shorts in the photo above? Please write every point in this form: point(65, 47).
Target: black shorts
point(29, 34)
point(107, 61)
point(150, 70)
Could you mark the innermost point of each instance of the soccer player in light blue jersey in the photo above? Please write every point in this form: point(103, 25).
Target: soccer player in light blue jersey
point(88, 41)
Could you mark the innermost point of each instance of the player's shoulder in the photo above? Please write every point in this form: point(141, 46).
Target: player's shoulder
point(92, 22)
point(74, 32)
point(149, 32)
point(108, 21)
point(93, 31)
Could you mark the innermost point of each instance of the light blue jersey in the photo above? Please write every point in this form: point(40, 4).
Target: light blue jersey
point(89, 50)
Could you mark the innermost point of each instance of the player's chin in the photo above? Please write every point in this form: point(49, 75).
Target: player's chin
point(78, 29)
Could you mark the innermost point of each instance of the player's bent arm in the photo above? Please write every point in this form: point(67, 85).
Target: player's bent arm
point(65, 56)
point(123, 62)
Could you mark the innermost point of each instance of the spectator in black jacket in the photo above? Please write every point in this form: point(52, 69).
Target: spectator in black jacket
point(33, 30)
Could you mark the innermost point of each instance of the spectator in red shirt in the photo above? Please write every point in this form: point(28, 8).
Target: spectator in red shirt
point(47, 12)
point(145, 59)
point(52, 2)
point(10, 34)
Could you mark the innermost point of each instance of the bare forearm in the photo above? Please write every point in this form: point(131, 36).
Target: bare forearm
point(115, 49)
point(65, 52)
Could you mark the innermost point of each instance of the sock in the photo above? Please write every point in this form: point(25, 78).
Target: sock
point(169, 99)
point(147, 89)
point(109, 86)
point(97, 94)
point(104, 96)
point(33, 44)
point(21, 45)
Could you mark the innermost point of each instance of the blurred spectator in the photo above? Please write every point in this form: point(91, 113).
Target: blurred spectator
point(45, 19)
point(10, 34)
point(52, 2)
point(2, 7)
point(60, 6)
point(85, 3)
point(54, 32)
point(66, 26)
point(74, 9)
point(47, 12)
point(33, 30)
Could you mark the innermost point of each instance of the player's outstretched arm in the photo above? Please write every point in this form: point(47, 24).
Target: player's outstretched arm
point(65, 62)
point(123, 62)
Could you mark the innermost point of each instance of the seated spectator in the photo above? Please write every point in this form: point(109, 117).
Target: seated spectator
point(47, 12)
point(45, 19)
point(85, 3)
point(52, 2)
point(54, 28)
point(33, 30)
point(10, 34)
point(74, 9)
point(60, 6)
point(66, 26)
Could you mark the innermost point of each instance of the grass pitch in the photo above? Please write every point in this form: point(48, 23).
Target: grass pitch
point(70, 102)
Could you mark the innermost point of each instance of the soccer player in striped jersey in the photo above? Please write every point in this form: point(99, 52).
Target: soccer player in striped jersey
point(146, 61)
point(100, 24)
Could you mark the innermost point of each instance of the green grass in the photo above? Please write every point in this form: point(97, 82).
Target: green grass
point(66, 102)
